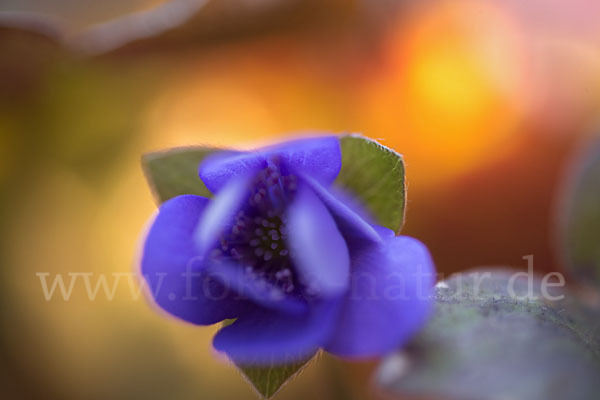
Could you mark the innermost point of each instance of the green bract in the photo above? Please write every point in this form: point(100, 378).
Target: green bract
point(174, 172)
point(374, 174)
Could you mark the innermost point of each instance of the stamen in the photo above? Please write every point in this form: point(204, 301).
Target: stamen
point(257, 239)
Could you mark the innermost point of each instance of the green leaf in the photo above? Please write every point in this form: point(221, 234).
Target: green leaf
point(482, 343)
point(374, 174)
point(174, 172)
point(269, 380)
point(581, 220)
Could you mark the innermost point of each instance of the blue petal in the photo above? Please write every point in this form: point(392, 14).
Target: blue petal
point(319, 157)
point(389, 299)
point(216, 170)
point(348, 221)
point(234, 277)
point(173, 268)
point(263, 336)
point(318, 249)
point(383, 231)
point(220, 213)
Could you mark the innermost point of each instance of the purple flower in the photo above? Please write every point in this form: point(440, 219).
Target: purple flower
point(296, 266)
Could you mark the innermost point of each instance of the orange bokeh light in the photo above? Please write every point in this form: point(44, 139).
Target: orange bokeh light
point(452, 88)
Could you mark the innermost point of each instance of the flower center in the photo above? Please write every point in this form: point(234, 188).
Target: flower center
point(257, 239)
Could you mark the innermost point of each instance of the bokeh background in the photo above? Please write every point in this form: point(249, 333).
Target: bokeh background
point(489, 101)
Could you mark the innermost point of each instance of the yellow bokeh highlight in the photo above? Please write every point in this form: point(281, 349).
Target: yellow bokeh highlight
point(452, 88)
point(242, 98)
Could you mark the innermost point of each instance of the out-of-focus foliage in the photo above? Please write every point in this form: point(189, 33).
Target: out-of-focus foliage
point(484, 343)
point(581, 218)
point(80, 14)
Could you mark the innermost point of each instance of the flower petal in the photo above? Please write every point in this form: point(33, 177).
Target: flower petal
point(173, 268)
point(348, 221)
point(318, 249)
point(319, 157)
point(216, 170)
point(384, 232)
point(234, 277)
point(389, 299)
point(220, 213)
point(263, 336)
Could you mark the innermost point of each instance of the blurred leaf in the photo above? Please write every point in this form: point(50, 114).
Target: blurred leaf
point(70, 16)
point(483, 343)
point(268, 380)
point(375, 175)
point(181, 23)
point(581, 226)
point(174, 172)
